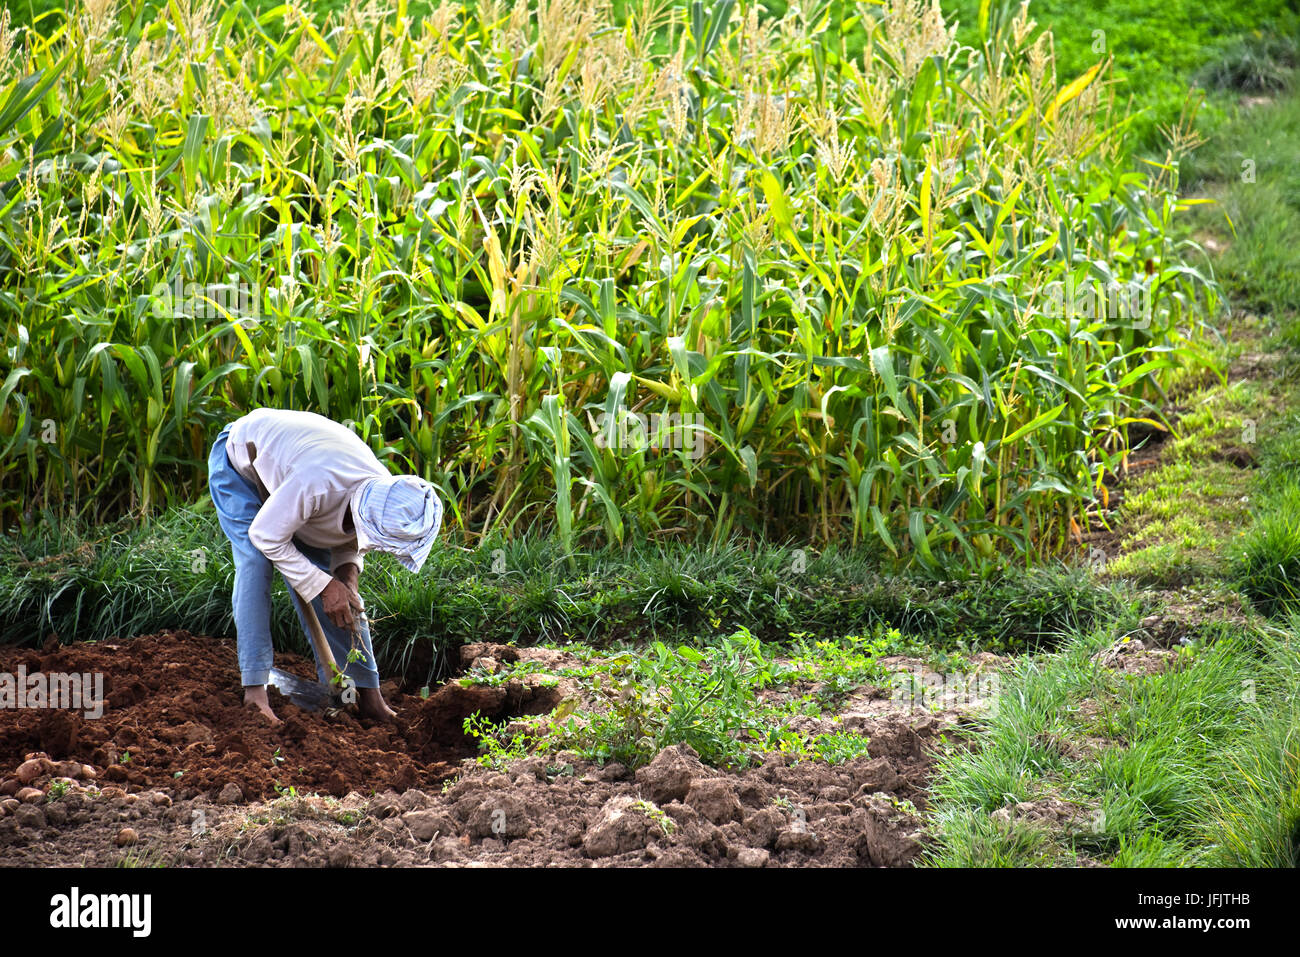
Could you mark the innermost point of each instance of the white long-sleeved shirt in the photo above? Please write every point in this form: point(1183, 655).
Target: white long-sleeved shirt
point(307, 468)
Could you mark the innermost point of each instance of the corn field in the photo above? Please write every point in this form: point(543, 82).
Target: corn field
point(494, 235)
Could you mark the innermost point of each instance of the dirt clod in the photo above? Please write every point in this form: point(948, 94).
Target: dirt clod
point(426, 825)
point(620, 827)
point(29, 816)
point(715, 800)
point(798, 838)
point(668, 777)
point(753, 857)
point(499, 815)
point(230, 794)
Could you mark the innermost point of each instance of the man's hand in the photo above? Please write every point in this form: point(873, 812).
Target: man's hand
point(348, 575)
point(341, 600)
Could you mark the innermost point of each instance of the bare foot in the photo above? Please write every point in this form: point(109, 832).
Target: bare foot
point(255, 697)
point(371, 704)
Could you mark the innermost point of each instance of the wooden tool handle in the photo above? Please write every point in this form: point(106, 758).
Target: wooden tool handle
point(318, 640)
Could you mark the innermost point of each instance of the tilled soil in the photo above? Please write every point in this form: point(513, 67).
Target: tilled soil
point(210, 783)
point(173, 717)
point(675, 812)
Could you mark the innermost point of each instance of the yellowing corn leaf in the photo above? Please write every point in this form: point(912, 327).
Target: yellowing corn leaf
point(925, 205)
point(1072, 90)
point(497, 269)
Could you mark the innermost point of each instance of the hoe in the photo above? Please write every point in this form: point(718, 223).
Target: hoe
point(311, 695)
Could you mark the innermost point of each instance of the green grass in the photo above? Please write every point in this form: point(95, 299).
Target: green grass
point(1267, 561)
point(1162, 47)
point(1161, 752)
point(1248, 167)
point(1260, 62)
point(94, 583)
point(1188, 515)
point(1255, 817)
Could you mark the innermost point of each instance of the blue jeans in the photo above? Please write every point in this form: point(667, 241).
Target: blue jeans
point(237, 505)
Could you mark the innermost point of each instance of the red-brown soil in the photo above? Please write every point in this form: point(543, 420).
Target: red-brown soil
point(537, 812)
point(174, 717)
point(370, 794)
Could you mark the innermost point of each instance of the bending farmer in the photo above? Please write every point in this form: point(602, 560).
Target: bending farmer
point(303, 494)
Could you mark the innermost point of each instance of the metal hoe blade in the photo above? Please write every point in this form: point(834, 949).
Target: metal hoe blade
point(310, 695)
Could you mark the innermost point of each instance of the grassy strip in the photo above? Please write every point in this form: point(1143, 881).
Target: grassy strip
point(1183, 519)
point(1254, 819)
point(1190, 513)
point(1193, 759)
point(1269, 561)
point(177, 572)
